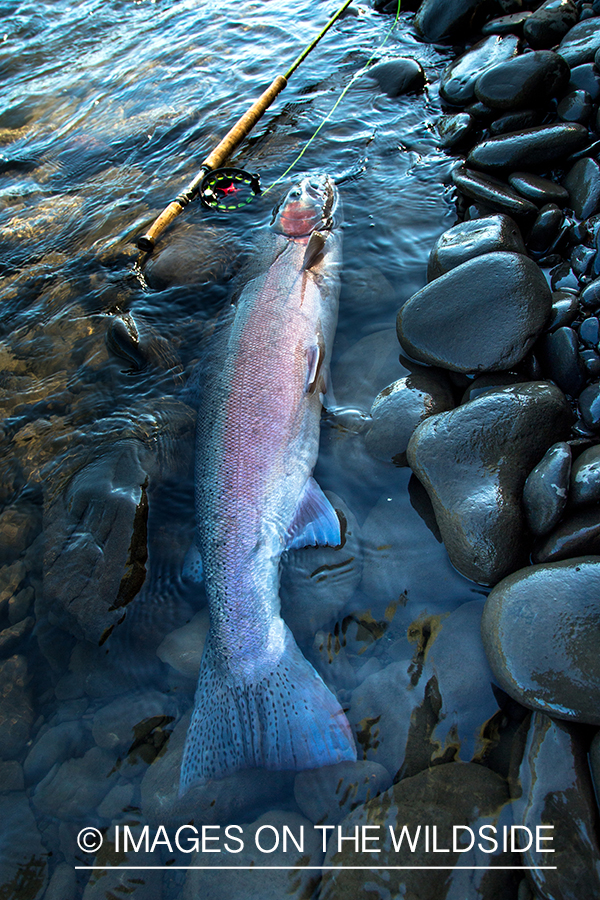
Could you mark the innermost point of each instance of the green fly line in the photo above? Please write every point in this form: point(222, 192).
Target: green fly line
point(354, 78)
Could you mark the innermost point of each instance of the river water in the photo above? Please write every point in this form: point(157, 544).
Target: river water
point(107, 109)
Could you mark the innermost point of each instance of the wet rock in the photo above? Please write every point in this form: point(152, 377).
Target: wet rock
point(55, 745)
point(192, 255)
point(484, 384)
point(581, 260)
point(575, 106)
point(562, 278)
point(11, 577)
point(589, 331)
point(553, 788)
point(577, 535)
point(583, 185)
point(316, 582)
point(591, 362)
point(550, 22)
point(457, 84)
point(546, 229)
point(472, 238)
point(528, 628)
point(261, 884)
point(589, 406)
point(585, 478)
point(11, 776)
point(538, 190)
point(484, 315)
point(473, 462)
point(120, 723)
point(516, 121)
point(366, 367)
point(523, 81)
point(399, 408)
point(96, 543)
point(397, 539)
point(218, 802)
point(11, 638)
point(586, 78)
point(590, 295)
point(127, 875)
point(382, 724)
point(447, 795)
point(16, 711)
point(20, 604)
point(116, 801)
point(70, 790)
point(398, 76)
point(19, 525)
point(510, 24)
point(436, 19)
point(327, 795)
point(23, 857)
point(182, 648)
point(581, 43)
point(534, 147)
point(62, 884)
point(560, 359)
point(456, 659)
point(494, 193)
point(546, 489)
point(455, 130)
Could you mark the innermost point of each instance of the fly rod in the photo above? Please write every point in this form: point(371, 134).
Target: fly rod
point(230, 142)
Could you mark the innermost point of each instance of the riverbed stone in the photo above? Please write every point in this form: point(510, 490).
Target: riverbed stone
point(586, 78)
point(120, 723)
point(509, 24)
point(55, 745)
point(455, 130)
point(583, 184)
point(399, 408)
point(589, 406)
point(552, 787)
point(537, 189)
point(483, 315)
point(74, 788)
point(581, 42)
point(576, 106)
point(495, 194)
point(328, 794)
point(546, 229)
point(437, 20)
point(473, 237)
point(473, 462)
point(398, 76)
point(524, 81)
point(23, 857)
point(182, 648)
point(550, 22)
point(558, 352)
point(250, 882)
point(546, 489)
point(452, 794)
point(585, 478)
point(457, 85)
point(484, 384)
point(577, 535)
point(16, 711)
point(540, 629)
point(535, 147)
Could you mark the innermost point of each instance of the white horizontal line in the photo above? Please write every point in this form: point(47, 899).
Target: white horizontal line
point(320, 868)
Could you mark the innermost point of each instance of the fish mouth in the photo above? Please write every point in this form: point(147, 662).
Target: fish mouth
point(307, 206)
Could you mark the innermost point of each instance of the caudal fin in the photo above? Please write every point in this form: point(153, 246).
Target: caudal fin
point(285, 719)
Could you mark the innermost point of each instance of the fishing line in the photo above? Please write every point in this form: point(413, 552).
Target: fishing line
point(354, 78)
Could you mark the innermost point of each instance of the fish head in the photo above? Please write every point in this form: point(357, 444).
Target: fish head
point(308, 206)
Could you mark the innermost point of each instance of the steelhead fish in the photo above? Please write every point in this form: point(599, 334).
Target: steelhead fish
point(259, 702)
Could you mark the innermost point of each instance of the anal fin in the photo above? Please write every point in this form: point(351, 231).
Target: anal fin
point(315, 522)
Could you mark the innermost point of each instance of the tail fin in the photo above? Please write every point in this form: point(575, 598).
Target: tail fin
point(287, 718)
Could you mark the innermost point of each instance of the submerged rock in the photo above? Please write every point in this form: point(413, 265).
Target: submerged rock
point(483, 315)
point(398, 76)
point(539, 630)
point(473, 462)
point(473, 237)
point(454, 794)
point(16, 711)
point(330, 793)
point(552, 788)
point(23, 857)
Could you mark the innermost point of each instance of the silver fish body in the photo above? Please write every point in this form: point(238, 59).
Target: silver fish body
point(259, 703)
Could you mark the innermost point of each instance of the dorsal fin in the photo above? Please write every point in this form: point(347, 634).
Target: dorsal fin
point(315, 521)
point(314, 249)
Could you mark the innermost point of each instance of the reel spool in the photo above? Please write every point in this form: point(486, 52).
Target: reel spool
point(228, 189)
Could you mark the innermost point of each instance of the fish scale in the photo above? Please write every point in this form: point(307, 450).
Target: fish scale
point(259, 702)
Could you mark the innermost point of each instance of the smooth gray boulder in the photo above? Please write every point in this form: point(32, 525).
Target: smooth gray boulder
point(540, 632)
point(482, 316)
point(546, 489)
point(473, 462)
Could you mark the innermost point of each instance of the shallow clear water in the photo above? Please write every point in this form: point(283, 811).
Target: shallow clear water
point(106, 112)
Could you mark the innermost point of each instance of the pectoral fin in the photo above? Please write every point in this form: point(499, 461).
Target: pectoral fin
point(315, 522)
point(314, 249)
